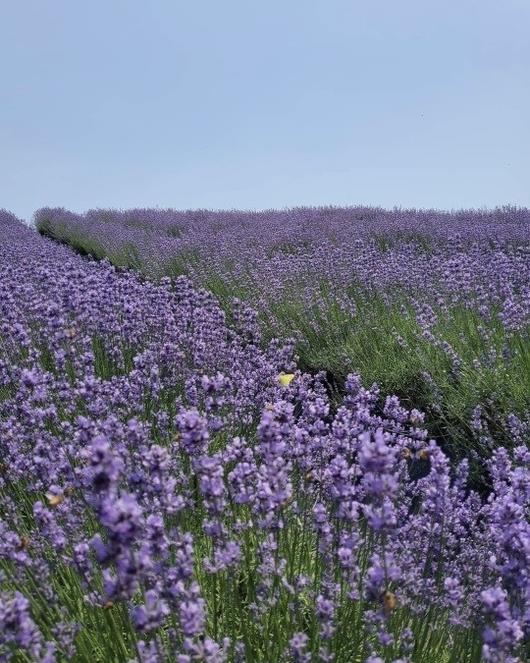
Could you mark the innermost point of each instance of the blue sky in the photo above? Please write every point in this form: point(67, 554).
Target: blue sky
point(248, 104)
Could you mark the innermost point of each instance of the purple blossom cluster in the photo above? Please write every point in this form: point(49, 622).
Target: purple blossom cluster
point(164, 496)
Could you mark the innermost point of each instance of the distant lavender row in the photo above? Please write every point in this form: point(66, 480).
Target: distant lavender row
point(164, 496)
point(476, 258)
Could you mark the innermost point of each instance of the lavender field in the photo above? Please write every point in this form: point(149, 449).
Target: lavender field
point(433, 307)
point(294, 436)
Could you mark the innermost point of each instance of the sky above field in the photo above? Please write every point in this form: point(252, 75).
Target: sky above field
point(247, 104)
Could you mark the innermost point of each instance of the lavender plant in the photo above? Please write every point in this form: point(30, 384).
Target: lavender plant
point(174, 488)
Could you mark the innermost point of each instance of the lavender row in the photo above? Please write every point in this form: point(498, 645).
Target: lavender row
point(476, 258)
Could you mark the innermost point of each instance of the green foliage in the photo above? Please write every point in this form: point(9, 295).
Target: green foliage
point(81, 242)
point(128, 256)
point(180, 264)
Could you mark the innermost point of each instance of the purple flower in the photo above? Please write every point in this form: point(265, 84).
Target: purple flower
point(151, 614)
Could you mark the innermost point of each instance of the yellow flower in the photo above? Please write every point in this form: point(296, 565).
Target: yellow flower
point(285, 379)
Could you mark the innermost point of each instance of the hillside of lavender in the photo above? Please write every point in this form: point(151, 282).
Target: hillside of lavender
point(433, 307)
point(295, 436)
